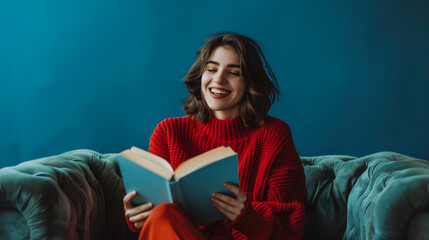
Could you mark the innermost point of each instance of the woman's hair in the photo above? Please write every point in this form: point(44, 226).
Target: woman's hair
point(261, 84)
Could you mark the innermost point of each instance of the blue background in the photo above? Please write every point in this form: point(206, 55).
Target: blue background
point(100, 74)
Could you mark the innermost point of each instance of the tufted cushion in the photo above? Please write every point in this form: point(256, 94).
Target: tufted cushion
point(380, 196)
point(75, 195)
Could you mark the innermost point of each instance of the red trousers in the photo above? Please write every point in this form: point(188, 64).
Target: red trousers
point(170, 221)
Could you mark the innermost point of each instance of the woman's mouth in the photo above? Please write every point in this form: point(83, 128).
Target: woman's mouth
point(219, 92)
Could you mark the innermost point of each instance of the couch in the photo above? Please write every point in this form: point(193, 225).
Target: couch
point(78, 195)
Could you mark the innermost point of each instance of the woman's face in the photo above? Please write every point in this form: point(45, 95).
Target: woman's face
point(222, 85)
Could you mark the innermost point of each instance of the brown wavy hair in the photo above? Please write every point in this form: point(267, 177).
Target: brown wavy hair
point(262, 87)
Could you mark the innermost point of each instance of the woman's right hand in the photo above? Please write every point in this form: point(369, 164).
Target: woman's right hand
point(136, 215)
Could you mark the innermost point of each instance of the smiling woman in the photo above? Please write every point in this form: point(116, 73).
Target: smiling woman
point(222, 85)
point(231, 88)
point(241, 58)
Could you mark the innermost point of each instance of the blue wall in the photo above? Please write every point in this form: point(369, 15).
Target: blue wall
point(100, 74)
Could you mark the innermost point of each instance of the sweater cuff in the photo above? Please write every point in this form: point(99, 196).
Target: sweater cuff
point(251, 223)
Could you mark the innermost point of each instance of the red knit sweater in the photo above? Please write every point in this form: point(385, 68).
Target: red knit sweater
point(270, 171)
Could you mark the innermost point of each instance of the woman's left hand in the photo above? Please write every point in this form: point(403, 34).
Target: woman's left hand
point(229, 206)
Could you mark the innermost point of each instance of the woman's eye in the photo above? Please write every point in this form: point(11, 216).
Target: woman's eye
point(235, 73)
point(211, 70)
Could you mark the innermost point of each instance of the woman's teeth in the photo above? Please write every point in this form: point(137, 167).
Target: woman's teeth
point(219, 91)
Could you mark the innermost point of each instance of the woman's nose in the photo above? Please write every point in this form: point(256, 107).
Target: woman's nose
point(219, 77)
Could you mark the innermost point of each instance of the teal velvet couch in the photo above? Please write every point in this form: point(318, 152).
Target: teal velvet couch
point(78, 195)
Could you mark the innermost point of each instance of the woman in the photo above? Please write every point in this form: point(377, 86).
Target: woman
point(231, 88)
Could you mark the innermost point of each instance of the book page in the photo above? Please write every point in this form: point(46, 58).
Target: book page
point(147, 164)
point(153, 158)
point(202, 160)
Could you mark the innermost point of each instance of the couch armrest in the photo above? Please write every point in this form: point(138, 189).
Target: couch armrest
point(75, 195)
point(380, 196)
point(388, 197)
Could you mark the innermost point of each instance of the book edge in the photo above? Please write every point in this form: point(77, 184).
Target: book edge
point(153, 158)
point(147, 164)
point(202, 160)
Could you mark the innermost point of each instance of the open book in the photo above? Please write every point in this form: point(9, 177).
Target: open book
point(190, 185)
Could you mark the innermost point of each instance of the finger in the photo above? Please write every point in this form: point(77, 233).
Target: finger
point(140, 217)
point(227, 199)
point(227, 214)
point(137, 210)
point(241, 196)
point(233, 209)
point(233, 188)
point(139, 224)
point(127, 199)
point(144, 207)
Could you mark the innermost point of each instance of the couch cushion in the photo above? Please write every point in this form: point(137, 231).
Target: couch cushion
point(372, 197)
point(75, 195)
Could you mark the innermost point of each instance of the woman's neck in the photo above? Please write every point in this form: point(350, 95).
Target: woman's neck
point(225, 115)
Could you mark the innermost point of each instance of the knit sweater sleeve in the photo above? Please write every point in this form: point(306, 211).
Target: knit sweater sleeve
point(282, 214)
